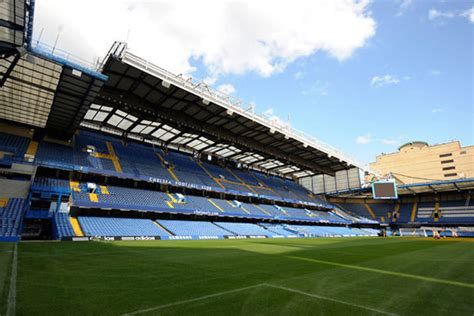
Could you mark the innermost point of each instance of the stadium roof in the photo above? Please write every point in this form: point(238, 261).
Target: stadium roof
point(41, 86)
point(145, 102)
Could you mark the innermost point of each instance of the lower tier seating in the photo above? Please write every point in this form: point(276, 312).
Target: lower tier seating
point(11, 216)
point(113, 226)
point(168, 229)
point(245, 229)
point(193, 228)
point(278, 229)
point(62, 225)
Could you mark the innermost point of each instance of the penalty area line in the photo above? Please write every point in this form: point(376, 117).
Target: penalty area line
point(201, 298)
point(330, 299)
point(273, 286)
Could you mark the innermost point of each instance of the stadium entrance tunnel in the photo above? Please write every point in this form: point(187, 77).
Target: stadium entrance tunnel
point(37, 229)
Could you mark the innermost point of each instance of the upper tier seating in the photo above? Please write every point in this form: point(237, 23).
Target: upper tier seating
point(193, 228)
point(404, 213)
point(50, 184)
point(55, 155)
point(245, 229)
point(113, 226)
point(141, 161)
point(356, 209)
point(16, 145)
point(11, 217)
point(383, 211)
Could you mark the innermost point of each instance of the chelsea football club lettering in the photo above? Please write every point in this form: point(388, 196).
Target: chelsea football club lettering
point(179, 183)
point(205, 213)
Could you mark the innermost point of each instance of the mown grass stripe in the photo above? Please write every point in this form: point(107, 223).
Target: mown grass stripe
point(393, 273)
point(325, 298)
point(287, 289)
point(192, 300)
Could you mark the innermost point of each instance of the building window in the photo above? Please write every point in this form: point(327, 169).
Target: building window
point(449, 168)
point(446, 175)
point(445, 155)
point(447, 161)
point(463, 152)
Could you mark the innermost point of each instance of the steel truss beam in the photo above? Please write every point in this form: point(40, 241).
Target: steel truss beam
point(114, 98)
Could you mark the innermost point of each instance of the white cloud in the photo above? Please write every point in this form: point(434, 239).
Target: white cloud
point(436, 110)
point(318, 88)
point(228, 37)
point(210, 80)
point(364, 139)
point(269, 113)
point(378, 81)
point(469, 14)
point(298, 75)
point(227, 88)
point(434, 72)
point(404, 5)
point(369, 138)
point(389, 141)
point(435, 14)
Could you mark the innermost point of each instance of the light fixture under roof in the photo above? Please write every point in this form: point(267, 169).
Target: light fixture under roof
point(166, 84)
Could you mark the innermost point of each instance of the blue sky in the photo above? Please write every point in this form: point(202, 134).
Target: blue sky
point(363, 76)
point(427, 93)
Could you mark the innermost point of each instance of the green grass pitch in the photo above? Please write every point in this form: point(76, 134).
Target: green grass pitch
point(343, 276)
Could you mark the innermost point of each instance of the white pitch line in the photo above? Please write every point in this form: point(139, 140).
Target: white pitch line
point(11, 307)
point(328, 299)
point(205, 297)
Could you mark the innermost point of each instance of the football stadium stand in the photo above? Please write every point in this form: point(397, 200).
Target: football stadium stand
point(210, 189)
point(129, 149)
point(107, 155)
point(156, 201)
point(441, 211)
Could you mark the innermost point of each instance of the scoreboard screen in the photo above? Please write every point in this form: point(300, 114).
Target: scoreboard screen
point(384, 190)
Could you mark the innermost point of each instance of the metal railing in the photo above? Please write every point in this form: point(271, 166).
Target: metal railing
point(63, 54)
